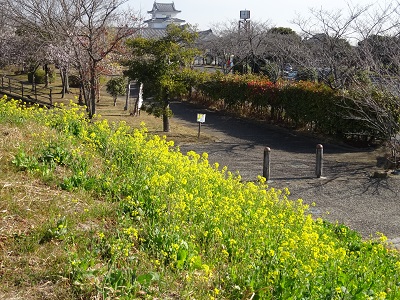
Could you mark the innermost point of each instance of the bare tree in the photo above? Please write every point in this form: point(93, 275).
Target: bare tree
point(93, 29)
point(357, 52)
point(282, 45)
point(245, 44)
point(327, 44)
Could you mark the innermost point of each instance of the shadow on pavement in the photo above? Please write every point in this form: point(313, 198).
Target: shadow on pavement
point(255, 133)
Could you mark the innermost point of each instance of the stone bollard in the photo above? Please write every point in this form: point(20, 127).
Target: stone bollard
point(267, 163)
point(319, 161)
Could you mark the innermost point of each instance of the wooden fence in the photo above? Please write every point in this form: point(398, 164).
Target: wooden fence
point(28, 92)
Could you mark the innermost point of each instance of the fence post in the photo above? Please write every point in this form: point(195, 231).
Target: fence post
point(9, 85)
point(319, 160)
point(22, 90)
point(35, 92)
point(51, 96)
point(267, 163)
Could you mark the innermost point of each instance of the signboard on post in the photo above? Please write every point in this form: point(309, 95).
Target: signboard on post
point(201, 118)
point(244, 14)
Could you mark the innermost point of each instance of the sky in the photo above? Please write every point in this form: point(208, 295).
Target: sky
point(207, 13)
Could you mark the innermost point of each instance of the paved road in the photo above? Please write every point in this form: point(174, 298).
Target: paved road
point(346, 193)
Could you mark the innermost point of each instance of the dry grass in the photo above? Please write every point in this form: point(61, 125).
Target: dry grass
point(179, 131)
point(32, 267)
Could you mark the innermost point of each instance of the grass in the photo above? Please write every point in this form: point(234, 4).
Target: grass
point(93, 210)
point(33, 262)
point(97, 210)
point(179, 132)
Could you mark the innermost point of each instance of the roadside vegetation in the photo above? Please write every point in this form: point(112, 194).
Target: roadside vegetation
point(93, 209)
point(301, 105)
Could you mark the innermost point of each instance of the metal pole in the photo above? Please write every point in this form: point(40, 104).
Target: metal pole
point(267, 163)
point(198, 134)
point(319, 160)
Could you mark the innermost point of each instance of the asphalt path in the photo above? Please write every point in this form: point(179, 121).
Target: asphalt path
point(346, 193)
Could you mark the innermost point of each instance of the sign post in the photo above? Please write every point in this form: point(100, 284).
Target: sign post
point(201, 118)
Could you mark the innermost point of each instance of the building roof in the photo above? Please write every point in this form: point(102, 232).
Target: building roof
point(163, 7)
point(166, 19)
point(206, 35)
point(152, 33)
point(157, 33)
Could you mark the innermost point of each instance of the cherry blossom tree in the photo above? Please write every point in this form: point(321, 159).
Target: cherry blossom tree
point(86, 32)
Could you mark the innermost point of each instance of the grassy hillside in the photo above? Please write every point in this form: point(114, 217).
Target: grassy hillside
point(98, 210)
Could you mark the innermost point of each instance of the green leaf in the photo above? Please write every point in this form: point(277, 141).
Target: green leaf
point(148, 278)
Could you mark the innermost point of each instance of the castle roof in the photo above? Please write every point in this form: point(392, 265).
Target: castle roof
point(163, 7)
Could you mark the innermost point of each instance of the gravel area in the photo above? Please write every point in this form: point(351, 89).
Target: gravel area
point(346, 192)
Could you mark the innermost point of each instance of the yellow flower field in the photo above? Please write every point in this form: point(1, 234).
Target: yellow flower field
point(189, 226)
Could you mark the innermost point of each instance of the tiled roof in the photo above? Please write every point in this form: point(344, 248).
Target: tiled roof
point(206, 35)
point(162, 20)
point(156, 33)
point(152, 33)
point(163, 7)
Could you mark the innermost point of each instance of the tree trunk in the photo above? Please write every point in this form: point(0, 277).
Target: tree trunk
point(165, 116)
point(33, 81)
point(166, 121)
point(62, 75)
point(64, 81)
point(92, 92)
point(80, 99)
point(33, 77)
point(98, 90)
point(46, 79)
point(128, 91)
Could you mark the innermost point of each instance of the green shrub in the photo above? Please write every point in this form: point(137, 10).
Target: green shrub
point(40, 76)
point(74, 81)
point(307, 74)
point(116, 86)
